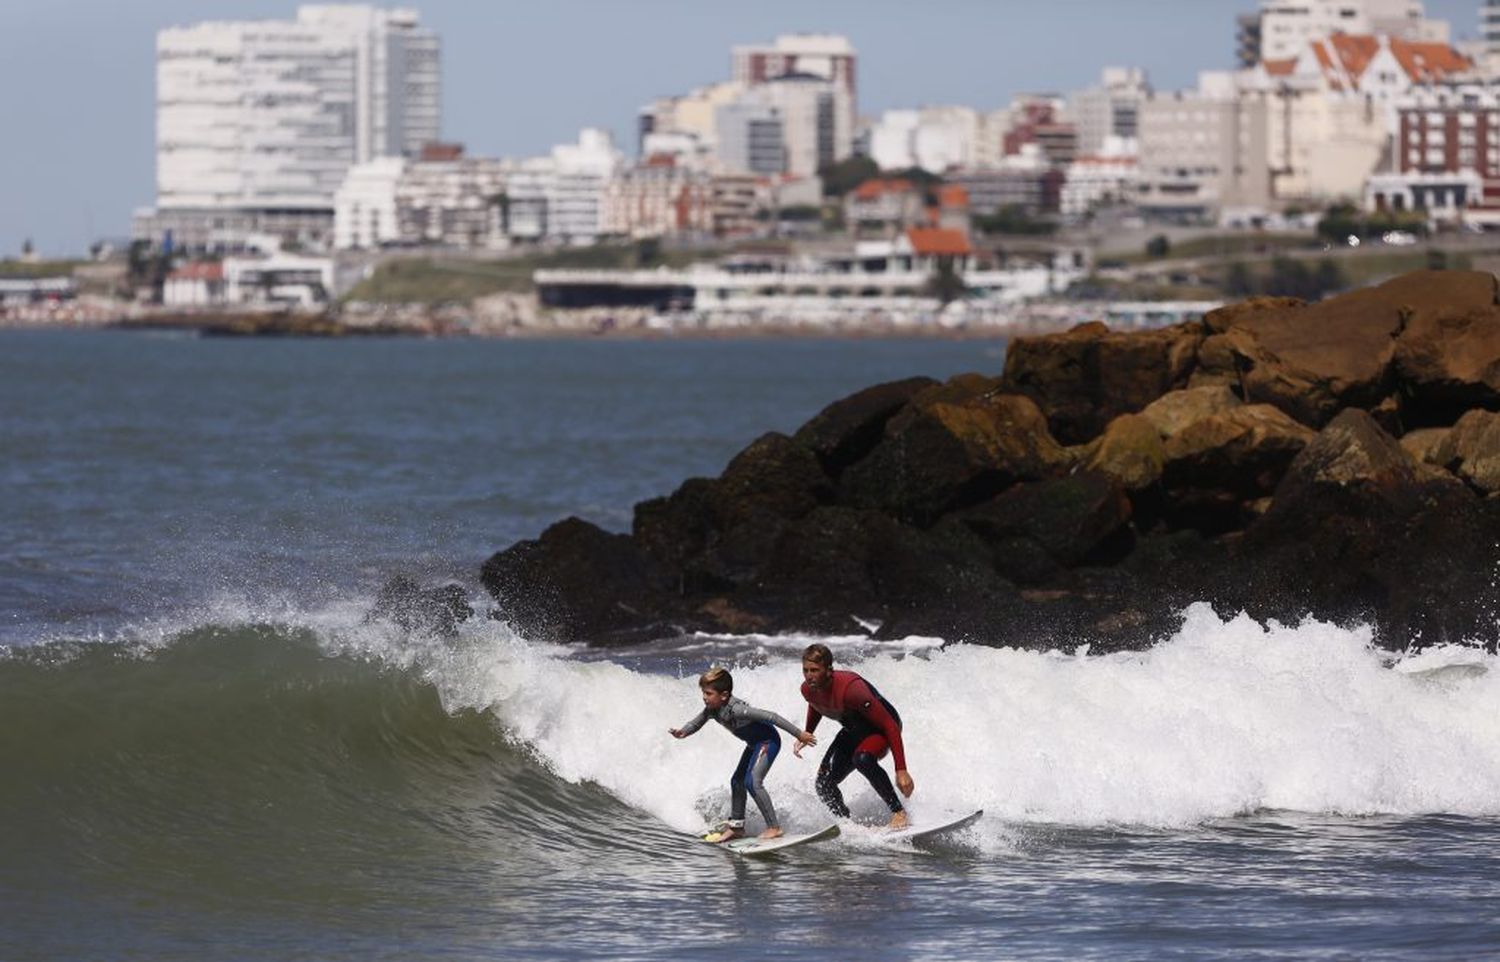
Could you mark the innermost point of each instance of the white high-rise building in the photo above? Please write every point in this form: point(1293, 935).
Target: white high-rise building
point(829, 58)
point(809, 109)
point(270, 115)
point(749, 139)
point(1110, 112)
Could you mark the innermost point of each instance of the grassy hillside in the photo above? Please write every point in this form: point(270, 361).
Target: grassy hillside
point(438, 280)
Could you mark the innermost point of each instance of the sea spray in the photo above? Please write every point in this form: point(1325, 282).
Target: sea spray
point(1227, 717)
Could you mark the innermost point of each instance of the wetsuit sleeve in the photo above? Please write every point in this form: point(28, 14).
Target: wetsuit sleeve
point(761, 715)
point(696, 723)
point(862, 699)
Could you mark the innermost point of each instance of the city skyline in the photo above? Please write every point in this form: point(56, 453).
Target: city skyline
point(80, 76)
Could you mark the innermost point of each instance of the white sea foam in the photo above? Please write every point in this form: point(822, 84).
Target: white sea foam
point(1227, 717)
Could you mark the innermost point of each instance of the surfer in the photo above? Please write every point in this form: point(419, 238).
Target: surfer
point(762, 743)
point(871, 727)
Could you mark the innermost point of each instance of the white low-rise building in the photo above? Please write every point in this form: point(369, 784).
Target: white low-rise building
point(195, 284)
point(1110, 177)
point(364, 208)
point(278, 280)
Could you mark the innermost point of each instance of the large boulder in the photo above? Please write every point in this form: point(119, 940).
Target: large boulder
point(1314, 361)
point(1085, 378)
point(1359, 529)
point(578, 583)
point(714, 532)
point(837, 569)
point(940, 455)
point(1448, 359)
point(1176, 410)
point(438, 610)
point(1035, 531)
point(1471, 450)
point(1216, 468)
point(847, 429)
point(1130, 450)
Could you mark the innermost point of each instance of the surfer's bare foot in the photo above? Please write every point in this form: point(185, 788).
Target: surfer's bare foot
point(898, 820)
point(729, 835)
point(772, 833)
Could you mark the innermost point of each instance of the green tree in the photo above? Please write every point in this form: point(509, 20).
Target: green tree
point(1329, 277)
point(1239, 281)
point(802, 212)
point(842, 177)
point(1158, 247)
point(1013, 219)
point(1289, 278)
point(946, 284)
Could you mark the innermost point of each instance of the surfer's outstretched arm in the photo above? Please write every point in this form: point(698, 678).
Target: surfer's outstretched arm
point(691, 726)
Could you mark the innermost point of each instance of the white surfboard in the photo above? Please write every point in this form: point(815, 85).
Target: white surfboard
point(765, 846)
point(926, 829)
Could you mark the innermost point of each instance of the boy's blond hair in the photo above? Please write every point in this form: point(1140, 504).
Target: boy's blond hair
point(717, 678)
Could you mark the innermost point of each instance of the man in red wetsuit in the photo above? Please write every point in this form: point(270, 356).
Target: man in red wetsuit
point(871, 727)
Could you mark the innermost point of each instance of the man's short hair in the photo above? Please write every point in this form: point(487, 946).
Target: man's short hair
point(818, 653)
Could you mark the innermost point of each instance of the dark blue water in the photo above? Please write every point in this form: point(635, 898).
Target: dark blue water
point(142, 473)
point(207, 752)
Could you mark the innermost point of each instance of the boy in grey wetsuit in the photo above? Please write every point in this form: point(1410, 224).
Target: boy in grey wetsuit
point(762, 743)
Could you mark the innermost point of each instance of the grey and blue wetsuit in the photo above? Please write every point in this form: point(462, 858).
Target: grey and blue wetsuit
point(753, 726)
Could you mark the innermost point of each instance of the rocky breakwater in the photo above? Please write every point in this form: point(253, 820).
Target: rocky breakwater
point(1338, 459)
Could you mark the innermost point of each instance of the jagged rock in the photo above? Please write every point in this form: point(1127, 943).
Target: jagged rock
point(577, 582)
point(1471, 450)
point(716, 531)
point(847, 429)
point(1313, 361)
point(1359, 529)
point(941, 455)
point(1086, 377)
point(1176, 410)
point(1219, 463)
point(840, 564)
point(1034, 531)
point(1448, 358)
point(774, 475)
point(1222, 319)
point(1423, 444)
point(951, 509)
point(1130, 450)
point(436, 611)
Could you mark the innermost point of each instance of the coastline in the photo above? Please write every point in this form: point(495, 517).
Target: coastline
point(579, 325)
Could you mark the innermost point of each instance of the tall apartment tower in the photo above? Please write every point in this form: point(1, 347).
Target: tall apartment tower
point(800, 57)
point(1489, 25)
point(1110, 109)
point(257, 122)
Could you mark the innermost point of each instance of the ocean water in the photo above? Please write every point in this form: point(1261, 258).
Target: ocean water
point(207, 750)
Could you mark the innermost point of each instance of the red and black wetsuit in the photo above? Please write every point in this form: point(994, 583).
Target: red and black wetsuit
point(871, 726)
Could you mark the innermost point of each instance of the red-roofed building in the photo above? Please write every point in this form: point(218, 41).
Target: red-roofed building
point(195, 284)
point(1378, 66)
point(884, 205)
point(938, 242)
point(1332, 110)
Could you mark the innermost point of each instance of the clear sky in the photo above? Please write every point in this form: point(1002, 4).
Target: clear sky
point(77, 77)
